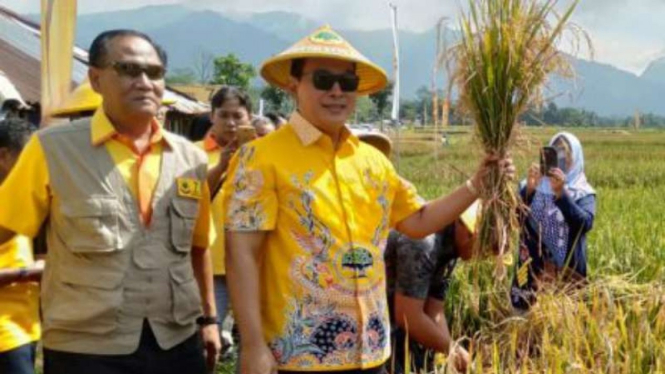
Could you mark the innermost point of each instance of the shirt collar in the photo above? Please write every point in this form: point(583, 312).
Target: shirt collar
point(210, 144)
point(102, 130)
point(309, 134)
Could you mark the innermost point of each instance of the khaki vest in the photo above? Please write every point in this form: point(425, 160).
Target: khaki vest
point(106, 272)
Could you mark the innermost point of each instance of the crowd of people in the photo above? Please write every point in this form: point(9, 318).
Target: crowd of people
point(330, 260)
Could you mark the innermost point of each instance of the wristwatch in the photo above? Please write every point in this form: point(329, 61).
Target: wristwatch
point(207, 320)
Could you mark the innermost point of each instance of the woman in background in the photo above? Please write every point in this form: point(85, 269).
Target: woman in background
point(562, 208)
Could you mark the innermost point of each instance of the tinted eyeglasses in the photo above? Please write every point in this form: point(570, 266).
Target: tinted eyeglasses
point(324, 80)
point(135, 69)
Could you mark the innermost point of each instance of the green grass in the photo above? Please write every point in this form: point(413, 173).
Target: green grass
point(617, 324)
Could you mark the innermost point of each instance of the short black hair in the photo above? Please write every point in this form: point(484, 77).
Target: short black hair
point(99, 49)
point(11, 105)
point(297, 67)
point(273, 117)
point(226, 93)
point(14, 132)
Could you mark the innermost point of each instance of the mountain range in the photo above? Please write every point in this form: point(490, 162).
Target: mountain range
point(186, 34)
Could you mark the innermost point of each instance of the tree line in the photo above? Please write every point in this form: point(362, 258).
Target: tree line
point(230, 70)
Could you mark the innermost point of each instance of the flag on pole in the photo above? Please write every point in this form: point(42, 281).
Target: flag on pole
point(58, 25)
point(395, 111)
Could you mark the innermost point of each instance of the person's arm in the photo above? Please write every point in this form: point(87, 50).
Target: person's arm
point(434, 308)
point(578, 214)
point(217, 173)
point(242, 271)
point(202, 265)
point(25, 193)
point(445, 210)
point(412, 316)
point(202, 268)
point(437, 214)
point(251, 203)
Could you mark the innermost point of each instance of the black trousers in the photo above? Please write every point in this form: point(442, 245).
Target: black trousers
point(20, 360)
point(149, 358)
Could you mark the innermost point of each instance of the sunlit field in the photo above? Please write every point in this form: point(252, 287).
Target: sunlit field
point(617, 323)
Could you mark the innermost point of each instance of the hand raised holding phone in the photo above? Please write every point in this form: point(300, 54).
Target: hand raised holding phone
point(245, 134)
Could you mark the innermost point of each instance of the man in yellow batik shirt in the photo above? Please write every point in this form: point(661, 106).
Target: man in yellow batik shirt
point(19, 273)
point(308, 211)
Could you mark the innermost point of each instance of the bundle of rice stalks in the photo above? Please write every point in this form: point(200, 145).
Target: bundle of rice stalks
point(507, 51)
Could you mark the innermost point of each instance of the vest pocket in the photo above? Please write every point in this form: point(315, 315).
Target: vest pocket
point(186, 297)
point(91, 225)
point(84, 300)
point(184, 213)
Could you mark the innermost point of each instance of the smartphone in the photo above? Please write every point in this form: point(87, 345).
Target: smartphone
point(245, 134)
point(549, 159)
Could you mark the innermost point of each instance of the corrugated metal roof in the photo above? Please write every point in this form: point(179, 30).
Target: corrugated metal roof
point(20, 56)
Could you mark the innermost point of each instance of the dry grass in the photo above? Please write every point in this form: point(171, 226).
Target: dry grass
point(614, 325)
point(508, 50)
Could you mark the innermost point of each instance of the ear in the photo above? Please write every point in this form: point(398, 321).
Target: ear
point(292, 87)
point(292, 90)
point(94, 76)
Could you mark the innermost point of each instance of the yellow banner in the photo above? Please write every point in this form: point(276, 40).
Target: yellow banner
point(58, 28)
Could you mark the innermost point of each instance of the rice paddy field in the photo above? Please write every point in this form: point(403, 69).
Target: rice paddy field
point(614, 325)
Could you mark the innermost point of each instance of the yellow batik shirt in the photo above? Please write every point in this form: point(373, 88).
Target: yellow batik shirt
point(214, 151)
point(327, 213)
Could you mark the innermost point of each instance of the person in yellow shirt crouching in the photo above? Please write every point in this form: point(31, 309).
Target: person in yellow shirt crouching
point(19, 273)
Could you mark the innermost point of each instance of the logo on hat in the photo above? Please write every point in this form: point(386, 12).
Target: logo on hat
point(326, 37)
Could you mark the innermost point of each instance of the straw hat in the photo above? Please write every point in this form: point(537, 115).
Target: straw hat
point(84, 99)
point(377, 140)
point(324, 43)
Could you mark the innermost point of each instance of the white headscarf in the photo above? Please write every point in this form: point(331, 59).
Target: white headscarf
point(553, 228)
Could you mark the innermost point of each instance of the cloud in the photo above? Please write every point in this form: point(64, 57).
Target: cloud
point(626, 33)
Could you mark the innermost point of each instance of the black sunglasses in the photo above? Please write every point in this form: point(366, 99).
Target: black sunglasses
point(134, 70)
point(324, 80)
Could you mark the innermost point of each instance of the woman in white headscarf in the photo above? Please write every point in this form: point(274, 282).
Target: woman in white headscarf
point(562, 207)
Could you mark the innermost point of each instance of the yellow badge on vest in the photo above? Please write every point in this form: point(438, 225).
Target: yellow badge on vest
point(190, 187)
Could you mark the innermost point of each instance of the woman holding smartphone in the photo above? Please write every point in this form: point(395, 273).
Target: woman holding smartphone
point(561, 210)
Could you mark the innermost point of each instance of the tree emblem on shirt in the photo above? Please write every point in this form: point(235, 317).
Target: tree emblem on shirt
point(358, 259)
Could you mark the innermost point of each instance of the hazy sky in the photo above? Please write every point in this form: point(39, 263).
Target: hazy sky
point(626, 33)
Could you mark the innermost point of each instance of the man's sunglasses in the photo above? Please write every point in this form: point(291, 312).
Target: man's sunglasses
point(324, 80)
point(134, 70)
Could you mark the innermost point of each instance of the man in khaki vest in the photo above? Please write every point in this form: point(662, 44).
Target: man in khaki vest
point(127, 210)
